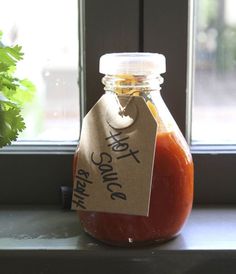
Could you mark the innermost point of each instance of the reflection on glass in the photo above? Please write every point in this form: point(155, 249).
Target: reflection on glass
point(48, 33)
point(214, 96)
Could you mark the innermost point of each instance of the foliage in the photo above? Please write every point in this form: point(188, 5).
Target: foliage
point(14, 93)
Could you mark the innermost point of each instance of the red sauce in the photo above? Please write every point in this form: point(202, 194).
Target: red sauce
point(170, 203)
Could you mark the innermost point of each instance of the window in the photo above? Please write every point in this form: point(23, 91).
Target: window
point(32, 171)
point(214, 96)
point(168, 28)
point(48, 33)
point(115, 26)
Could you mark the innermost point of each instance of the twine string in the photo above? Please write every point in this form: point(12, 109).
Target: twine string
point(123, 109)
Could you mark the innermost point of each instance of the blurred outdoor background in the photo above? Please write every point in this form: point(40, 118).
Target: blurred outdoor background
point(48, 32)
point(214, 92)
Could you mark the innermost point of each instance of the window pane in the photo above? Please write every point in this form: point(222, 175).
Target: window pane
point(48, 33)
point(214, 96)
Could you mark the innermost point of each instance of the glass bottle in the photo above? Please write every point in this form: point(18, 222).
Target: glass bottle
point(138, 74)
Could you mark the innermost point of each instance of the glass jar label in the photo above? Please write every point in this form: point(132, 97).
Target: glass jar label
point(115, 156)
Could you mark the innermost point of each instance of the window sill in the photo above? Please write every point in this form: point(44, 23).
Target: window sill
point(49, 240)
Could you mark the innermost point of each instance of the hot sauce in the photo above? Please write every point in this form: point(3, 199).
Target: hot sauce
point(170, 203)
point(172, 182)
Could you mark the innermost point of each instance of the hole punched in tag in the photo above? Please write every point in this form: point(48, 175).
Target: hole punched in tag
point(122, 112)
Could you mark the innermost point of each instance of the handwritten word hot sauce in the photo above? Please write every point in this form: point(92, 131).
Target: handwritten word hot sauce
point(138, 74)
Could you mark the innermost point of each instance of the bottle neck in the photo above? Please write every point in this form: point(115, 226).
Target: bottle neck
point(131, 84)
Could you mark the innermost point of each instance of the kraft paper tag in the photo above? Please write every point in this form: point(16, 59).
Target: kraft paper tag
point(115, 157)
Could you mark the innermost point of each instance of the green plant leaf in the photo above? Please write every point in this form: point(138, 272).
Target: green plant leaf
point(10, 55)
point(14, 93)
point(4, 101)
point(9, 82)
point(11, 123)
point(3, 67)
point(24, 92)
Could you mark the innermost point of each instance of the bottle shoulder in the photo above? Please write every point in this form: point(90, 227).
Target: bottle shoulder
point(168, 132)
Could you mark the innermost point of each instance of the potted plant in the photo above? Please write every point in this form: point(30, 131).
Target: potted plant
point(14, 93)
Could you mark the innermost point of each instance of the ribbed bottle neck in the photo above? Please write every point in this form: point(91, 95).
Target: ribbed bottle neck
point(128, 84)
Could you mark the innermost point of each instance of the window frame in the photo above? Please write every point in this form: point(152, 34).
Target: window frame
point(214, 166)
point(40, 169)
point(141, 25)
point(33, 174)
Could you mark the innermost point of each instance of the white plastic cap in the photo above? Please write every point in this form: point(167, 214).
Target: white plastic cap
point(135, 63)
